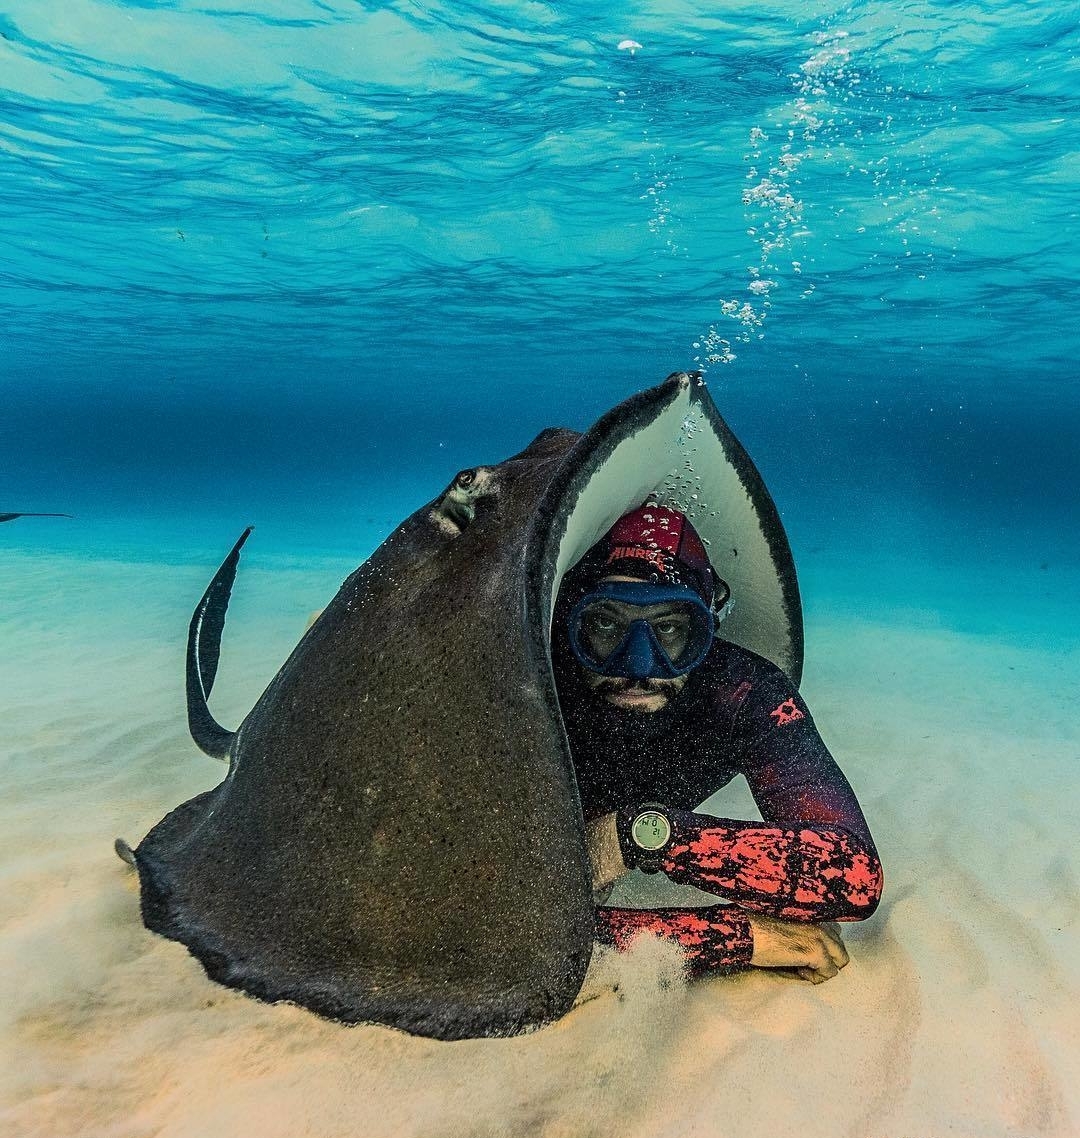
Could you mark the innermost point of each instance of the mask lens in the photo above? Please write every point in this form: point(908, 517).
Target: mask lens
point(601, 629)
point(677, 631)
point(674, 632)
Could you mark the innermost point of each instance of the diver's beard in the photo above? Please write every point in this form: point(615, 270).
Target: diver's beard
point(607, 686)
point(621, 683)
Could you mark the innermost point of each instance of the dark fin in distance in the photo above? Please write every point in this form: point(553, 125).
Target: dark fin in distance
point(12, 517)
point(124, 852)
point(203, 652)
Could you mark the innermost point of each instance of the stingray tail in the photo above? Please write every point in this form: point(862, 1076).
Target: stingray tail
point(203, 651)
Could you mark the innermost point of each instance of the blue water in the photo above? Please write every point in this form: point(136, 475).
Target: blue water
point(296, 263)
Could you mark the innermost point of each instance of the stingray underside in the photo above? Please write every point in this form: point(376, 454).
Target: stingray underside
point(399, 838)
point(670, 445)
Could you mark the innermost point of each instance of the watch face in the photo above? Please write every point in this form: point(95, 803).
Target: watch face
point(650, 830)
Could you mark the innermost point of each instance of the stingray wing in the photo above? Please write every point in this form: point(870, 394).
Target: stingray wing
point(398, 839)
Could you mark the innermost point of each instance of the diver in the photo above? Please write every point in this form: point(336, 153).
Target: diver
point(662, 712)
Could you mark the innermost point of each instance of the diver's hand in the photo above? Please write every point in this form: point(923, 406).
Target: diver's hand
point(812, 952)
point(602, 841)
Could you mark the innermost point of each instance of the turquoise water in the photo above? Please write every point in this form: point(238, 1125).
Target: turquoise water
point(298, 265)
point(295, 263)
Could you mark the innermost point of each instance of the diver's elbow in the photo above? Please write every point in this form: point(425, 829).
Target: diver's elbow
point(865, 886)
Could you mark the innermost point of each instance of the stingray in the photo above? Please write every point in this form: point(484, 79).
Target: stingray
point(399, 838)
point(12, 517)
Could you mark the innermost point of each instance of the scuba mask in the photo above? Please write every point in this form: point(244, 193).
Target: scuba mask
point(639, 630)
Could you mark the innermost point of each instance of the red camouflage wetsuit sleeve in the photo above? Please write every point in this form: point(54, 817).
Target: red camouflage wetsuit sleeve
point(812, 859)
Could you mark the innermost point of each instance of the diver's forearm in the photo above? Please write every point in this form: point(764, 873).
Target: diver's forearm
point(799, 873)
point(716, 938)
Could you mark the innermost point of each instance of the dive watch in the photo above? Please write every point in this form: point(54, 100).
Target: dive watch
point(645, 833)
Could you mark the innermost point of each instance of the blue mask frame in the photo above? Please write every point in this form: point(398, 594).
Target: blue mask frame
point(640, 655)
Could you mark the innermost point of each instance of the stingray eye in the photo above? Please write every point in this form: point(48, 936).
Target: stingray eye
point(472, 490)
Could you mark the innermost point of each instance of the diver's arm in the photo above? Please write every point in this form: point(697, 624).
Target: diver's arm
point(794, 872)
point(725, 938)
point(813, 820)
point(716, 938)
point(805, 874)
point(812, 859)
point(791, 773)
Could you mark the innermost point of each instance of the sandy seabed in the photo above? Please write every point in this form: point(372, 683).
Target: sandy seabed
point(957, 1015)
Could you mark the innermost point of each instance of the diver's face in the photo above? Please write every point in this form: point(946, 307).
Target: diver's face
point(604, 628)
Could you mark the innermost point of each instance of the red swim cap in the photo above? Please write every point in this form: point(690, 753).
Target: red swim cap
point(654, 543)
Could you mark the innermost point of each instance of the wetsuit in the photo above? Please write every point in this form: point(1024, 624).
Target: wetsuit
point(811, 859)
